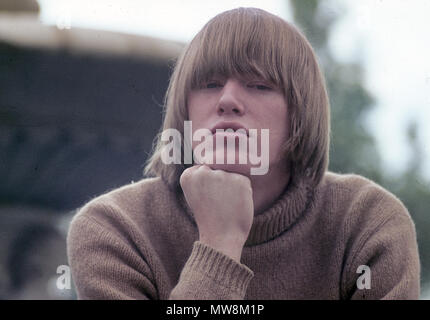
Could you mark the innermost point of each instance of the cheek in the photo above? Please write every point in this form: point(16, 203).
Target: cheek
point(277, 122)
point(276, 119)
point(197, 110)
point(280, 118)
point(192, 111)
point(192, 103)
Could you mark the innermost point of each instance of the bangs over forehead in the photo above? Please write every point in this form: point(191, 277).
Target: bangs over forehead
point(239, 43)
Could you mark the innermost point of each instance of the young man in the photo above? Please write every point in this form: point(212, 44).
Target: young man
point(208, 229)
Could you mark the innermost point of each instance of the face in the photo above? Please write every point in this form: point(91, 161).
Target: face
point(248, 103)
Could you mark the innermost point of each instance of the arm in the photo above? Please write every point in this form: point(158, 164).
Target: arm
point(223, 210)
point(211, 275)
point(105, 266)
point(390, 251)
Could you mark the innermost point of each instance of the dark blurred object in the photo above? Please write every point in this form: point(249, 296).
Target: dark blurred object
point(19, 5)
point(74, 124)
point(33, 245)
point(38, 249)
point(79, 110)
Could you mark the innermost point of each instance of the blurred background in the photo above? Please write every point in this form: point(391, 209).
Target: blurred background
point(81, 89)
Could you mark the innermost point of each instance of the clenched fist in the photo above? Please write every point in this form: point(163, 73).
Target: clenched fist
point(222, 205)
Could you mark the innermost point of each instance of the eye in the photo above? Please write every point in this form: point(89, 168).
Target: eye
point(212, 84)
point(259, 86)
point(263, 87)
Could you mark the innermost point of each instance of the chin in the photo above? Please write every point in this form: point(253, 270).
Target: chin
point(236, 167)
point(242, 169)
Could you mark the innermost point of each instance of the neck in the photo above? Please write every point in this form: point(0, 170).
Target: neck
point(266, 189)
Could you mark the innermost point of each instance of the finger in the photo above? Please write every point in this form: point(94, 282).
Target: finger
point(192, 168)
point(207, 159)
point(187, 173)
point(205, 167)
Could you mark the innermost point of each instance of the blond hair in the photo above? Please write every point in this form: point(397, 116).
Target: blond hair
point(252, 41)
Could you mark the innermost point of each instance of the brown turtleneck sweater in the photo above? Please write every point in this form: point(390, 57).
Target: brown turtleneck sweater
point(141, 242)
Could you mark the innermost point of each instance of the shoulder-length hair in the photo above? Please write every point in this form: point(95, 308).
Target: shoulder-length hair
point(252, 41)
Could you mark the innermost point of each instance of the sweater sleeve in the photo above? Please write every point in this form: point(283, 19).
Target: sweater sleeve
point(391, 254)
point(105, 266)
point(211, 275)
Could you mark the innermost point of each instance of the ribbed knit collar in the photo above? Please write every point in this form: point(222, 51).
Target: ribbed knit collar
point(282, 214)
point(279, 217)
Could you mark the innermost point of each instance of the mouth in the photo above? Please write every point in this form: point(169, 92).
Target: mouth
point(236, 127)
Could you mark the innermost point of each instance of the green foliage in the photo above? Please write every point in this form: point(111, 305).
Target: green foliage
point(414, 191)
point(353, 148)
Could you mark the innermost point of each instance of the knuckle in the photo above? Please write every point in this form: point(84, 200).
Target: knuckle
point(185, 176)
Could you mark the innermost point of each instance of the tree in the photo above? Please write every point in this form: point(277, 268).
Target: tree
point(352, 147)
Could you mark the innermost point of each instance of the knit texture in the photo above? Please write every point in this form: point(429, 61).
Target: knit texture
point(141, 242)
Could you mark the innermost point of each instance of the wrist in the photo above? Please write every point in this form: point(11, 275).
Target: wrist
point(231, 247)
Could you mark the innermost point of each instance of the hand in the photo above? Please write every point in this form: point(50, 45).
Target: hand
point(222, 205)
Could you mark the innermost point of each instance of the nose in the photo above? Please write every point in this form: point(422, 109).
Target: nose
point(230, 101)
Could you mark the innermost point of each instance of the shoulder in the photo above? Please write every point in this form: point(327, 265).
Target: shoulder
point(361, 208)
point(355, 193)
point(110, 242)
point(375, 229)
point(135, 205)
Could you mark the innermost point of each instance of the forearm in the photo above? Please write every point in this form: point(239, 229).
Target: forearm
point(211, 275)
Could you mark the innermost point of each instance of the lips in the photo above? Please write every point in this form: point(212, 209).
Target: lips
point(224, 125)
